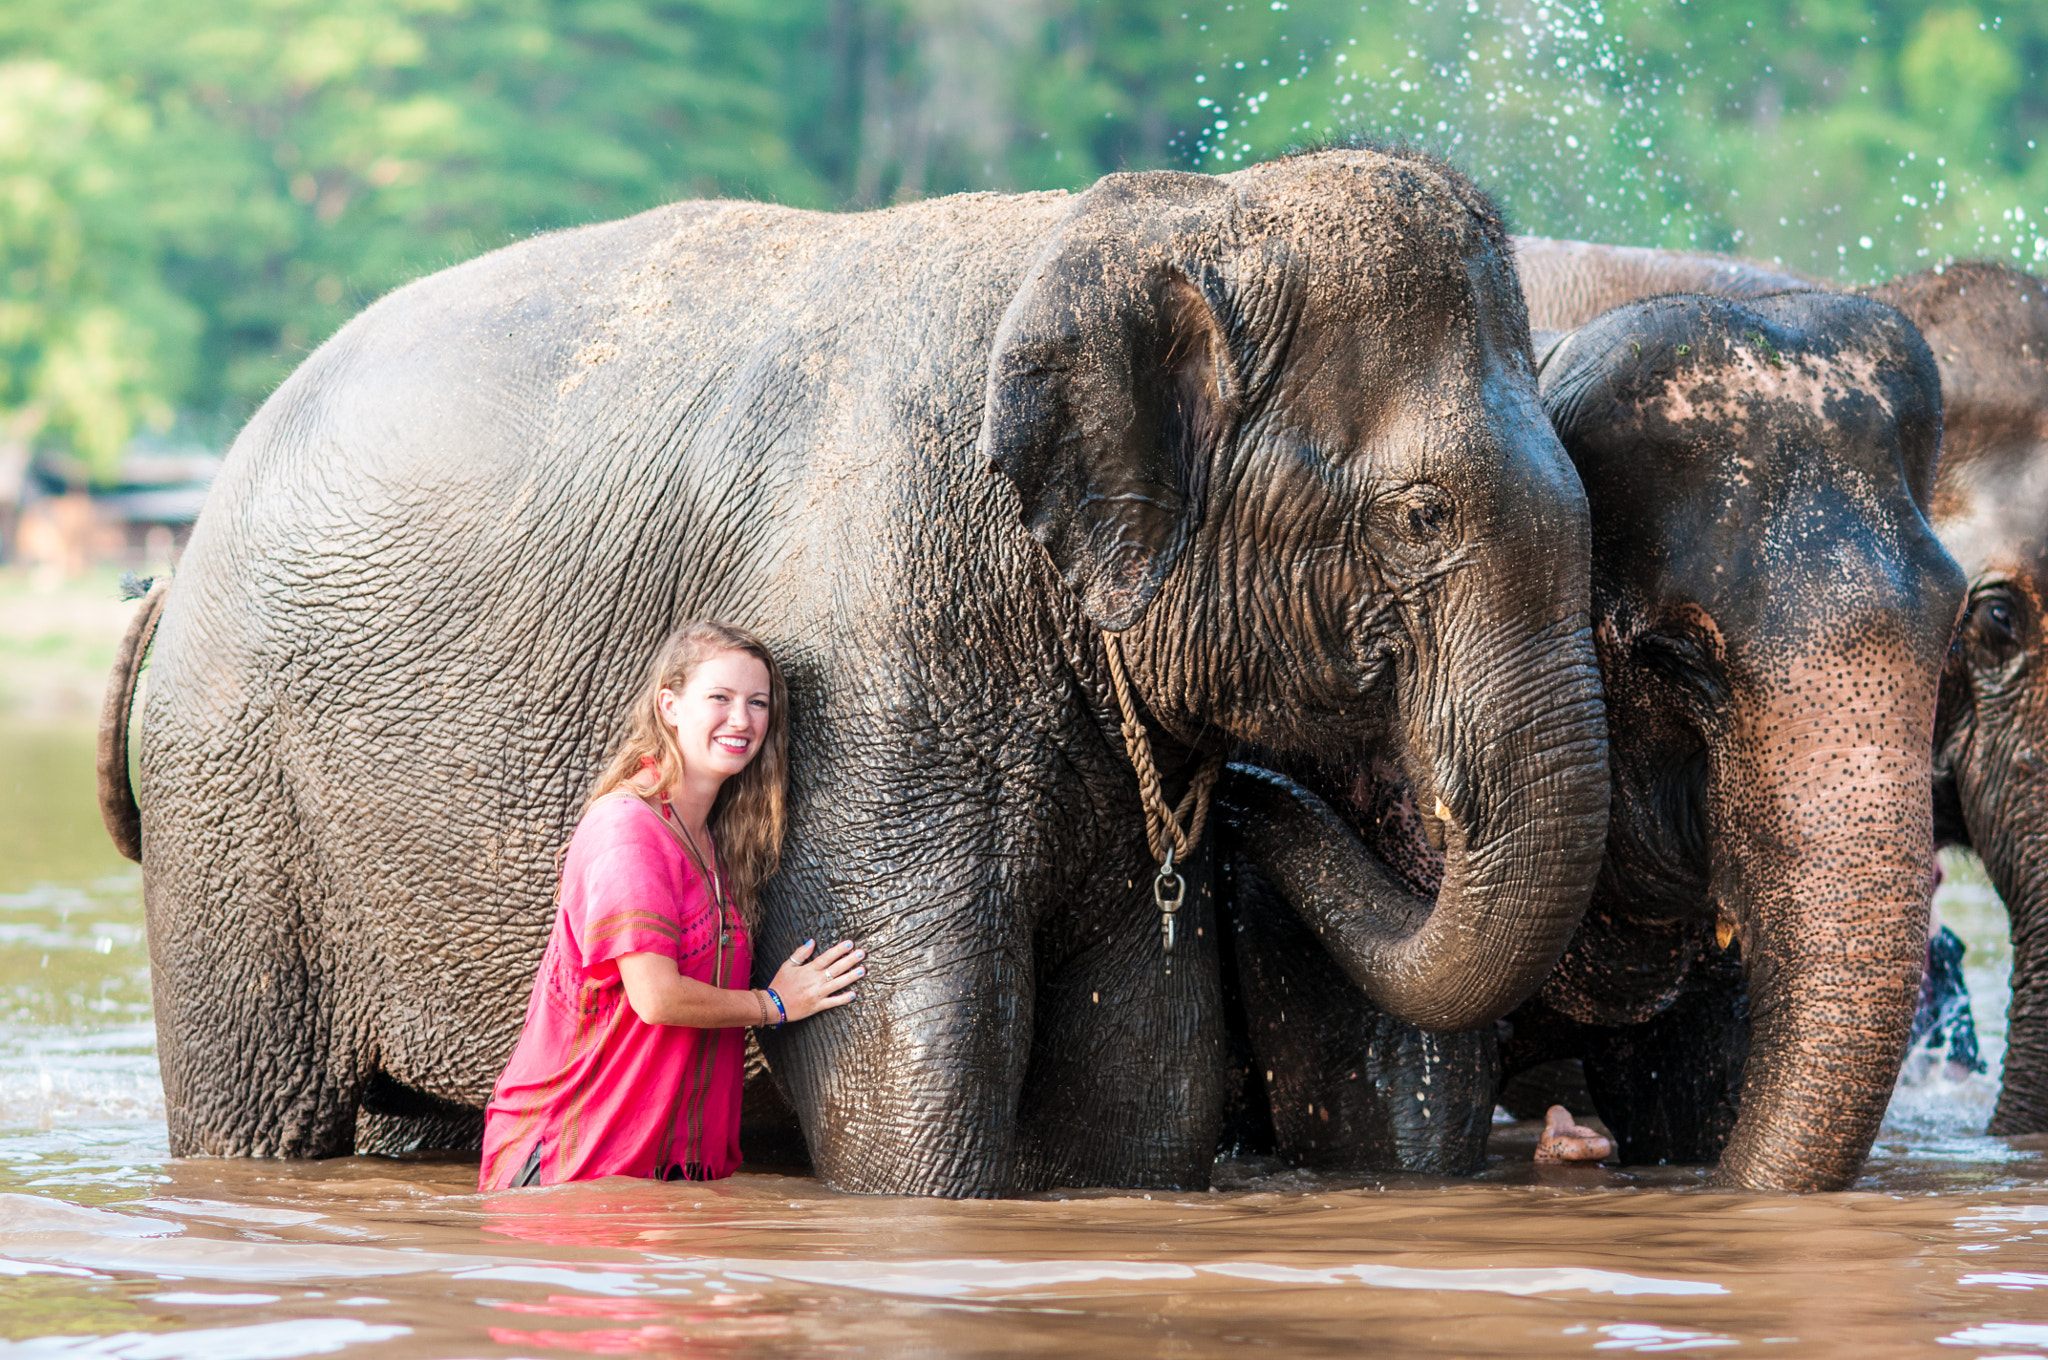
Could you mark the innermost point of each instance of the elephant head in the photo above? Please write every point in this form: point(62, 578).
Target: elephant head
point(1280, 432)
point(1988, 328)
point(1771, 610)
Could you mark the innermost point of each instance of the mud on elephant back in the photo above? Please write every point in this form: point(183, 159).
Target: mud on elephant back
point(1277, 430)
point(1771, 612)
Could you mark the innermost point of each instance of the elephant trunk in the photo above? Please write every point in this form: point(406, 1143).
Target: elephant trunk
point(1823, 844)
point(2005, 777)
point(1515, 773)
point(2021, 877)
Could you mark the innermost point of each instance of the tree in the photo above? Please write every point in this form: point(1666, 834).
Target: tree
point(92, 341)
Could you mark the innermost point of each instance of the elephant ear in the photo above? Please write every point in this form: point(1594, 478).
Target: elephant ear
point(1543, 344)
point(1573, 369)
point(1110, 385)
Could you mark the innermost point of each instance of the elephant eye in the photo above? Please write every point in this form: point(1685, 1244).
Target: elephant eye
point(1992, 628)
point(1684, 661)
point(1424, 514)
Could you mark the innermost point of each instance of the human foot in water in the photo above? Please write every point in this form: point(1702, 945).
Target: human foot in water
point(1567, 1141)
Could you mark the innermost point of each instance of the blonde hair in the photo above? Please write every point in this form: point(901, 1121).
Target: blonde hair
point(747, 816)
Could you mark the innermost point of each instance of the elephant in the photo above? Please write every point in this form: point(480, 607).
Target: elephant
point(1771, 611)
point(1987, 325)
point(1568, 283)
point(1274, 434)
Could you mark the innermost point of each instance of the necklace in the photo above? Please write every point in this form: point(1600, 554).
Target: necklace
point(711, 876)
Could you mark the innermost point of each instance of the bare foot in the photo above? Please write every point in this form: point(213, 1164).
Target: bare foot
point(1565, 1141)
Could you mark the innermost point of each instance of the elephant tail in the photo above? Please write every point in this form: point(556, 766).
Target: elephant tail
point(118, 807)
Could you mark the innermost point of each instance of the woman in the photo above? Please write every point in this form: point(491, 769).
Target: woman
point(633, 1054)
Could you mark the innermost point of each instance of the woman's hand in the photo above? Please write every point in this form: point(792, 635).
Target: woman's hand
point(822, 983)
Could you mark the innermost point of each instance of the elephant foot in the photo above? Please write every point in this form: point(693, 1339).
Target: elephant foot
point(1565, 1140)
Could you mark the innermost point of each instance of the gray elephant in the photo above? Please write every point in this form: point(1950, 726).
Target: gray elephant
point(1276, 432)
point(1771, 611)
point(1987, 326)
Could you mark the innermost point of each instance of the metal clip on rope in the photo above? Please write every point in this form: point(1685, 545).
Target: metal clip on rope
point(1167, 891)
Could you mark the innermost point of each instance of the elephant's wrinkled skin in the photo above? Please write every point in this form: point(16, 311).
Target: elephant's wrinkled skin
point(1771, 609)
point(1988, 328)
point(1280, 428)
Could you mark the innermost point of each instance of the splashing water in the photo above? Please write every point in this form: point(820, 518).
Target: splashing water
point(1937, 1097)
point(76, 1040)
point(1837, 146)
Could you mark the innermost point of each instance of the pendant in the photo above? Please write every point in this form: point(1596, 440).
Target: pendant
point(1168, 890)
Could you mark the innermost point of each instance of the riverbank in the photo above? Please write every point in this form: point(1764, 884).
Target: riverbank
point(57, 641)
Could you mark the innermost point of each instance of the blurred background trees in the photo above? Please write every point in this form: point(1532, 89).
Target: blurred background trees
point(194, 193)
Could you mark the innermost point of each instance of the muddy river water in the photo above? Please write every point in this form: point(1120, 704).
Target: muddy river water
point(108, 1247)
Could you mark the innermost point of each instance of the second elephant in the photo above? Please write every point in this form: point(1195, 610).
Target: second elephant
point(1986, 324)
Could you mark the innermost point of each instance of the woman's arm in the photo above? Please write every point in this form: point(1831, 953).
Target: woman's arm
point(660, 995)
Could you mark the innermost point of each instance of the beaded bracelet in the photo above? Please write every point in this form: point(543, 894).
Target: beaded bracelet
point(780, 1009)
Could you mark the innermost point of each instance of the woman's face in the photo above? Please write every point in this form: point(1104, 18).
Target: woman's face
point(720, 715)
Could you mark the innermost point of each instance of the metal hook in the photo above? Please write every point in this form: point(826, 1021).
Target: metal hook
point(1168, 891)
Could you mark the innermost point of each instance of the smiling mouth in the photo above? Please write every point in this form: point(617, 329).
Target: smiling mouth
point(736, 745)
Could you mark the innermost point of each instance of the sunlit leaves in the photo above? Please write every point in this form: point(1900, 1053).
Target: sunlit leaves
point(91, 341)
point(1956, 75)
point(304, 156)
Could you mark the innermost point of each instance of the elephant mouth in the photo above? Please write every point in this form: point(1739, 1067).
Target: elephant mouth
point(1382, 806)
point(1374, 796)
point(1385, 808)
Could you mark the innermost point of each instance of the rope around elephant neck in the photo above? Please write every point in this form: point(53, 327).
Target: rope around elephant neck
point(1171, 833)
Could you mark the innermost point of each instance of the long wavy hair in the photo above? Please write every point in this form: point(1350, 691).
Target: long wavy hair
point(747, 816)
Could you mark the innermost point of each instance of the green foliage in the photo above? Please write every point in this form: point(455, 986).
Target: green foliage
point(195, 192)
point(304, 158)
point(92, 340)
point(1845, 138)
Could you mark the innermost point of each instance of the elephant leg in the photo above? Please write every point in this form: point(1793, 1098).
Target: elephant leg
point(770, 1132)
point(1247, 1116)
point(394, 1119)
point(1670, 1088)
point(1129, 1072)
point(1351, 1088)
point(253, 1061)
point(911, 1089)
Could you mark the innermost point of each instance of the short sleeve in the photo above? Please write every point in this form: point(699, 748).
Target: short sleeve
point(626, 891)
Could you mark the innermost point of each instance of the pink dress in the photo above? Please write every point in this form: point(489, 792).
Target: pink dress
point(597, 1090)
